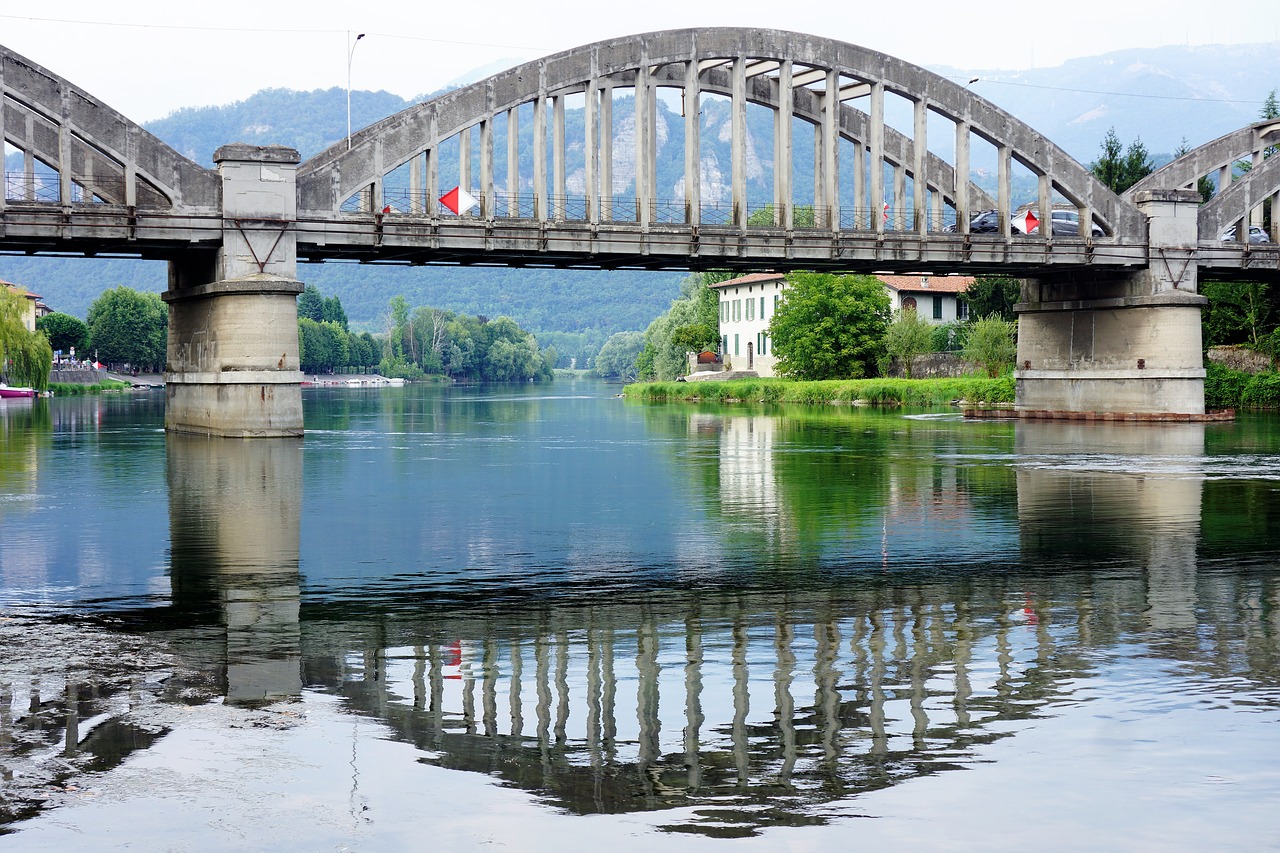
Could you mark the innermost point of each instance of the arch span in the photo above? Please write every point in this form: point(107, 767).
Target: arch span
point(838, 87)
point(77, 150)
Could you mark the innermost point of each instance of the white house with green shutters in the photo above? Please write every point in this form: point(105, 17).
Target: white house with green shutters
point(747, 304)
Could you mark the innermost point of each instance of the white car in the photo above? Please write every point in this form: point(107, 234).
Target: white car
point(1257, 234)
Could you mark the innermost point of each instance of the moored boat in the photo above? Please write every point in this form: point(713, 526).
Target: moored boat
point(6, 391)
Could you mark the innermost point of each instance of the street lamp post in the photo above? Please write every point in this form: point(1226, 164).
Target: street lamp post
point(350, 55)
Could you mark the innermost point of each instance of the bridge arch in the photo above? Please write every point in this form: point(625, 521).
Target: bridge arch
point(77, 150)
point(838, 87)
point(1240, 199)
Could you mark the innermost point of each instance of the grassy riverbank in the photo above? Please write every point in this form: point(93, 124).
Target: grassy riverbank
point(899, 392)
point(71, 389)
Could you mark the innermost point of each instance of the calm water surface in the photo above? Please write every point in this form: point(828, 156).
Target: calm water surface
point(551, 619)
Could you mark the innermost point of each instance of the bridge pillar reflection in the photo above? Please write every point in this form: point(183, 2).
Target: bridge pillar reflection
point(1128, 343)
point(234, 521)
point(233, 360)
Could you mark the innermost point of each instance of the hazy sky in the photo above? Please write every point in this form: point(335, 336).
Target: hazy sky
point(148, 58)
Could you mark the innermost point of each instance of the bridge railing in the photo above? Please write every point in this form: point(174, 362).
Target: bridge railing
point(627, 209)
point(46, 188)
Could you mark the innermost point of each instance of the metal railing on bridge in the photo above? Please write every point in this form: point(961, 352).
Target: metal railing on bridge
point(46, 188)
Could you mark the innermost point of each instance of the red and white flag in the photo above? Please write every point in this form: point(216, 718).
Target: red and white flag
point(458, 200)
point(1026, 222)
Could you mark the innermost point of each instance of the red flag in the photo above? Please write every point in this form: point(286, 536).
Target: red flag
point(458, 200)
point(1027, 222)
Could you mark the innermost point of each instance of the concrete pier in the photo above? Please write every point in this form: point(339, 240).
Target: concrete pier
point(232, 366)
point(1119, 344)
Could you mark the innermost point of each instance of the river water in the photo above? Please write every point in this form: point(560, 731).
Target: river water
point(547, 618)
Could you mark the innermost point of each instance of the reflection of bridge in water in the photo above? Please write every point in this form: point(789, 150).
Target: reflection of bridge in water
point(1109, 323)
point(760, 704)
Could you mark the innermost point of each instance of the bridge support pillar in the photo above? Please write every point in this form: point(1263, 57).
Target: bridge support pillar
point(1119, 345)
point(233, 318)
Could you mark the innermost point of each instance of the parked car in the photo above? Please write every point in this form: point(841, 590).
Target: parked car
point(1066, 223)
point(1257, 234)
point(983, 222)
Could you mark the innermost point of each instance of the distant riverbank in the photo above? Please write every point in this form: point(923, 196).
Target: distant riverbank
point(901, 392)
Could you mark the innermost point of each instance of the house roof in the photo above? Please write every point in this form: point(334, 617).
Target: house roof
point(32, 296)
point(753, 278)
point(925, 283)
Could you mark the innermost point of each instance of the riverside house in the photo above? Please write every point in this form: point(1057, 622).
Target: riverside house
point(748, 302)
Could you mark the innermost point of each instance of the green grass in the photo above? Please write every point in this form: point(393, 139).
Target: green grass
point(882, 392)
point(71, 389)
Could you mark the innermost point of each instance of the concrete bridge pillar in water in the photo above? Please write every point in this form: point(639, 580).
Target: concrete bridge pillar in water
point(233, 317)
point(1119, 343)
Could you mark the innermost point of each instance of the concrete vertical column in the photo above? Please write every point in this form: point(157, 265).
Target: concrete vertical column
point(1046, 208)
point(899, 197)
point(29, 161)
point(692, 143)
point(562, 684)
point(782, 156)
point(876, 129)
point(557, 156)
point(464, 160)
point(232, 366)
point(64, 149)
point(962, 177)
point(416, 204)
point(4, 182)
point(540, 210)
point(919, 176)
point(606, 151)
point(738, 141)
point(859, 184)
point(513, 161)
point(644, 132)
point(486, 169)
point(831, 148)
point(1004, 191)
point(591, 150)
point(431, 166)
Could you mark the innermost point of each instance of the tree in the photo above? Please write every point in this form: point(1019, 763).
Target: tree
point(907, 336)
point(992, 295)
point(1119, 168)
point(311, 304)
point(692, 323)
point(331, 311)
point(25, 356)
point(829, 326)
point(992, 343)
point(128, 326)
point(64, 331)
point(1204, 186)
point(617, 358)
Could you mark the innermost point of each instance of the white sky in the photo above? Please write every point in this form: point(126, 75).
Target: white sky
point(147, 58)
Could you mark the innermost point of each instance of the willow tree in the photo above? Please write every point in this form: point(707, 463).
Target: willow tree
point(25, 356)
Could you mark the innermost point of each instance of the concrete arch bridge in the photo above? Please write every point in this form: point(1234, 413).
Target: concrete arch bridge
point(1110, 318)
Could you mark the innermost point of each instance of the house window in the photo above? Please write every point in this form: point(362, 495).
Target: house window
point(776, 297)
point(937, 307)
point(724, 311)
point(962, 310)
point(724, 345)
point(761, 307)
point(761, 343)
point(751, 309)
point(735, 344)
point(737, 310)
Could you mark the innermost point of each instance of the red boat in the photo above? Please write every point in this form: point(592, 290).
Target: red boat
point(6, 391)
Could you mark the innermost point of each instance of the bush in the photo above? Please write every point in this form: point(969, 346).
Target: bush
point(1262, 391)
point(1224, 387)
